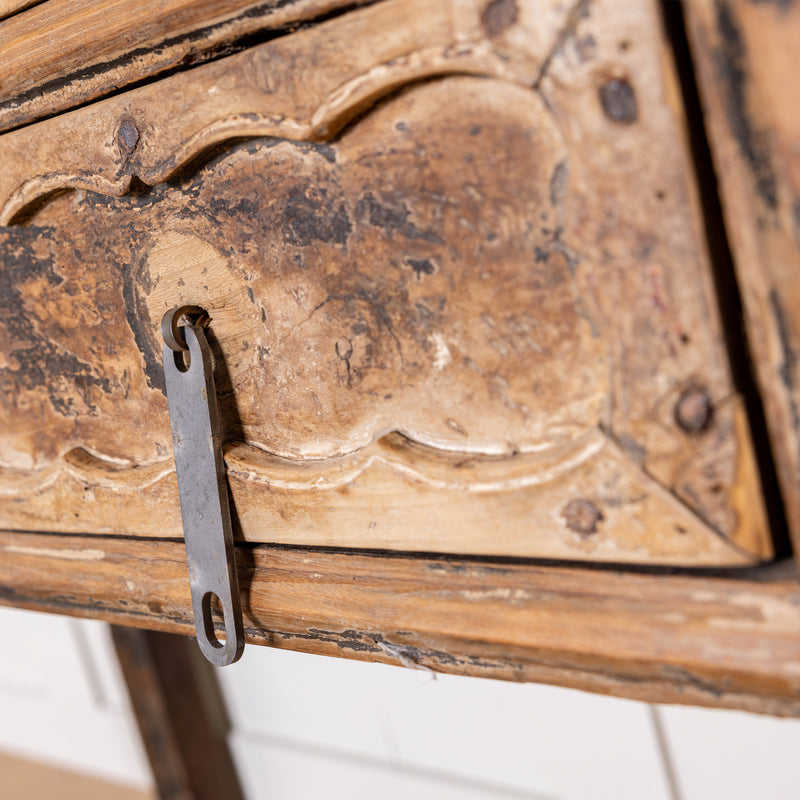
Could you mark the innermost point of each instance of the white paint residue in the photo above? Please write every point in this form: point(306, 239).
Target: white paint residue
point(405, 655)
point(441, 356)
point(504, 593)
point(51, 552)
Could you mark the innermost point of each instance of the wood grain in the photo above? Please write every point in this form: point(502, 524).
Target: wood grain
point(746, 58)
point(9, 7)
point(103, 45)
point(180, 713)
point(433, 330)
point(303, 87)
point(726, 642)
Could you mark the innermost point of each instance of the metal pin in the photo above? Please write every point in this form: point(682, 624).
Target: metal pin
point(191, 394)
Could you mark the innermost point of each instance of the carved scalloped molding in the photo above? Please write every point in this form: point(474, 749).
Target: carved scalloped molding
point(326, 121)
point(165, 141)
point(426, 464)
point(413, 474)
point(175, 120)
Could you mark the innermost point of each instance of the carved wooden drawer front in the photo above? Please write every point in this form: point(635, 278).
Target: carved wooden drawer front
point(460, 297)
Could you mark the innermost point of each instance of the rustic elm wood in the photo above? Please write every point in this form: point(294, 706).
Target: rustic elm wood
point(715, 641)
point(178, 707)
point(59, 55)
point(9, 7)
point(746, 60)
point(444, 318)
point(461, 304)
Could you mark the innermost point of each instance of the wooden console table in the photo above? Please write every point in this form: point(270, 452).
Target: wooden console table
point(504, 303)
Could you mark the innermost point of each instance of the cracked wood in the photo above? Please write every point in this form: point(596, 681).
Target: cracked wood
point(714, 641)
point(746, 57)
point(444, 317)
point(61, 55)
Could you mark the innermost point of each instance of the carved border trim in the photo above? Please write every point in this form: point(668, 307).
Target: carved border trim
point(302, 87)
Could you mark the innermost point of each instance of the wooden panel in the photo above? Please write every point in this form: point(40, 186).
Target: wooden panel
point(451, 327)
point(301, 87)
point(662, 638)
point(62, 54)
point(746, 55)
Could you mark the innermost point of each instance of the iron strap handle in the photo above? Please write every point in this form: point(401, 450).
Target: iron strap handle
point(203, 490)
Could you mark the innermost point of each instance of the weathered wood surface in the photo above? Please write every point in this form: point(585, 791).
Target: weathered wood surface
point(9, 7)
point(306, 86)
point(180, 713)
point(63, 54)
point(662, 638)
point(451, 327)
point(747, 57)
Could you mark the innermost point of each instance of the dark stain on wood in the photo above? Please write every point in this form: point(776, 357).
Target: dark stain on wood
point(732, 69)
point(796, 221)
point(783, 5)
point(558, 183)
point(392, 215)
point(384, 239)
point(788, 367)
point(531, 621)
point(312, 214)
point(135, 280)
point(498, 16)
point(34, 360)
point(421, 266)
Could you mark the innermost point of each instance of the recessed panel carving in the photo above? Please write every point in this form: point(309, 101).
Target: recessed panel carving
point(451, 326)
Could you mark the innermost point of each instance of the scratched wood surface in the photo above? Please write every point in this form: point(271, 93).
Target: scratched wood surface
point(444, 316)
point(746, 55)
point(60, 54)
point(703, 640)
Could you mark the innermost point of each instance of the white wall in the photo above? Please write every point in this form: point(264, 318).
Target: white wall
point(63, 700)
point(314, 727)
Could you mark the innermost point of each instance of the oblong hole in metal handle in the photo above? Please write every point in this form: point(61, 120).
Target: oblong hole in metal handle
point(208, 620)
point(219, 652)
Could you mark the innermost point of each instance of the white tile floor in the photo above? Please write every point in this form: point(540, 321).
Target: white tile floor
point(313, 727)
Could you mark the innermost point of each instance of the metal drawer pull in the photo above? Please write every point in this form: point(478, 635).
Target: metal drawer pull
point(191, 394)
